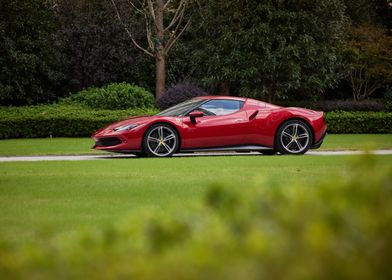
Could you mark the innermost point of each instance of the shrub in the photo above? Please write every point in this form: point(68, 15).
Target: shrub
point(113, 96)
point(328, 229)
point(359, 122)
point(177, 94)
point(58, 120)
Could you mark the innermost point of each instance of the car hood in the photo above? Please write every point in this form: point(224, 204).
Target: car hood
point(133, 120)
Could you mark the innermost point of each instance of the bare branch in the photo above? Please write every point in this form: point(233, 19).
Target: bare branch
point(174, 38)
point(178, 14)
point(151, 9)
point(136, 8)
point(128, 31)
point(167, 4)
point(149, 33)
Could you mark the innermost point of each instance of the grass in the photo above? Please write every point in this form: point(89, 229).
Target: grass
point(357, 141)
point(69, 146)
point(41, 200)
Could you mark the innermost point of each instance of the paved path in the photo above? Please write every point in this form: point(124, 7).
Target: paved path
point(122, 156)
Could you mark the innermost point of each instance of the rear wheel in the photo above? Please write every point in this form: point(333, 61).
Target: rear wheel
point(160, 140)
point(293, 137)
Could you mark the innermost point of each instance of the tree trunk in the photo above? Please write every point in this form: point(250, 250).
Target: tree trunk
point(160, 56)
point(224, 88)
point(160, 64)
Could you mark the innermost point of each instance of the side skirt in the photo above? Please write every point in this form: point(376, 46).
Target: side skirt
point(231, 148)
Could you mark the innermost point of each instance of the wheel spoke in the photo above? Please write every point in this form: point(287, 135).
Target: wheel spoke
point(299, 145)
point(160, 132)
point(295, 130)
point(153, 139)
point(286, 134)
point(157, 148)
point(304, 135)
point(289, 144)
point(166, 147)
point(168, 138)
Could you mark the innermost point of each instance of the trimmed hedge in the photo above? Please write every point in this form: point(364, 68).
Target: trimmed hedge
point(374, 105)
point(77, 121)
point(58, 120)
point(359, 122)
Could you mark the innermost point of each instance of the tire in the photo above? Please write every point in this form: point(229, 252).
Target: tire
point(160, 140)
point(294, 137)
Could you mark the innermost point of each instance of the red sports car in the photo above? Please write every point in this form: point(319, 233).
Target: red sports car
point(216, 123)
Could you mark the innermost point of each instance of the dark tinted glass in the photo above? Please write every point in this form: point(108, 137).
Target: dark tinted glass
point(182, 108)
point(220, 107)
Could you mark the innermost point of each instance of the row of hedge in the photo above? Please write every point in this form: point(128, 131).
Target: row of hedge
point(359, 122)
point(75, 121)
point(374, 105)
point(59, 120)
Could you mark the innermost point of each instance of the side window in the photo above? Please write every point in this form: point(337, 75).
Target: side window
point(220, 107)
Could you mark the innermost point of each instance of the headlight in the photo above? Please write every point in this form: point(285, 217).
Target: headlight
point(125, 127)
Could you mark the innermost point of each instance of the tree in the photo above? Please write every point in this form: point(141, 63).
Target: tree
point(29, 69)
point(267, 48)
point(377, 12)
point(165, 21)
point(369, 52)
point(360, 11)
point(94, 49)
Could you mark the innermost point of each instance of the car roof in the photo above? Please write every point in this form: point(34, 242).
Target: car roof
point(222, 97)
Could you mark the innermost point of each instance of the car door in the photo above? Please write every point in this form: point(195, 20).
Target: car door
point(224, 124)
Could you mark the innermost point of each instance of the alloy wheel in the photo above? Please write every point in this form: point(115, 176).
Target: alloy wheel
point(295, 138)
point(161, 141)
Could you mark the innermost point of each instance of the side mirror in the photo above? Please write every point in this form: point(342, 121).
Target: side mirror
point(195, 114)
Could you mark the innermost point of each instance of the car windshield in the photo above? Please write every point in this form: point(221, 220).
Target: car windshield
point(182, 108)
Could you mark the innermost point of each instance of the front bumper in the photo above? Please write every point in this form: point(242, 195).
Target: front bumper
point(117, 142)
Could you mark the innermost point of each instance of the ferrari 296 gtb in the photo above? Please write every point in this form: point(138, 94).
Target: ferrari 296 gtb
point(216, 123)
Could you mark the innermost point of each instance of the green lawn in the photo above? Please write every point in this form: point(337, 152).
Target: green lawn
point(41, 200)
point(67, 146)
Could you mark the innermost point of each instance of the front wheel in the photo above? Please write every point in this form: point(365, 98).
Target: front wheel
point(160, 140)
point(293, 137)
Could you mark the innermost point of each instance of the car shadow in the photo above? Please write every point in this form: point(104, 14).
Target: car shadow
point(183, 155)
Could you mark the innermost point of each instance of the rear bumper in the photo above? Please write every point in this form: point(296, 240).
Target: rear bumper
point(319, 142)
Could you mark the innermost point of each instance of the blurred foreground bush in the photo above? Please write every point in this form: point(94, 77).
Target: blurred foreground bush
point(113, 96)
point(340, 229)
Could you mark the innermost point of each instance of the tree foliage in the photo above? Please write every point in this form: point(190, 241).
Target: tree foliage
point(267, 48)
point(94, 47)
point(29, 70)
point(369, 53)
